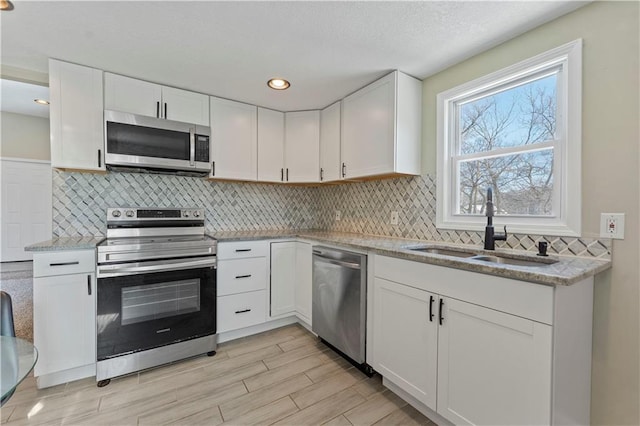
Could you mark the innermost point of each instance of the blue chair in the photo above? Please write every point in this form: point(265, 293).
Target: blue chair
point(6, 326)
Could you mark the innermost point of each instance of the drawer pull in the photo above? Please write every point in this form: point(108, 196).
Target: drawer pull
point(243, 276)
point(89, 284)
point(65, 263)
point(241, 250)
point(243, 311)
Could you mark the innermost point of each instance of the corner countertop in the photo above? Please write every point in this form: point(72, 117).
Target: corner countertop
point(66, 243)
point(566, 271)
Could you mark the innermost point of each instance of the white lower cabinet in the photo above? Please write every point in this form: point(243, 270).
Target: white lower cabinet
point(493, 368)
point(475, 349)
point(283, 281)
point(241, 310)
point(241, 284)
point(64, 316)
point(303, 277)
point(406, 339)
point(291, 276)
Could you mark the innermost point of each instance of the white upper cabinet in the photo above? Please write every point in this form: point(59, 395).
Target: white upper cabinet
point(182, 105)
point(234, 140)
point(132, 95)
point(330, 143)
point(381, 128)
point(270, 145)
point(153, 100)
point(76, 121)
point(302, 147)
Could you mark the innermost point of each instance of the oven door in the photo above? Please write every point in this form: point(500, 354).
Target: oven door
point(146, 305)
point(139, 141)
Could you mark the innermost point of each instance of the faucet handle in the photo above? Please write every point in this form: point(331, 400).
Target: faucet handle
point(542, 248)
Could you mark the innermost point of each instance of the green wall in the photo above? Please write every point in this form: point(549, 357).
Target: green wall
point(610, 176)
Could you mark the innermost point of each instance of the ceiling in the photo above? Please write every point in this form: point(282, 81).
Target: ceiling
point(230, 49)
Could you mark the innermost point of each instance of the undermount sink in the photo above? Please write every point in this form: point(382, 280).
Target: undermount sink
point(472, 255)
point(513, 261)
point(442, 251)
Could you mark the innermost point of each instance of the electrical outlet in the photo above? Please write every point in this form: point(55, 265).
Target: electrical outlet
point(394, 218)
point(338, 215)
point(612, 225)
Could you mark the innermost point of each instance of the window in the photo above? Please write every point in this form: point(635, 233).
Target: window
point(517, 131)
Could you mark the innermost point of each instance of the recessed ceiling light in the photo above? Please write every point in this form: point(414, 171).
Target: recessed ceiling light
point(41, 101)
point(6, 5)
point(278, 83)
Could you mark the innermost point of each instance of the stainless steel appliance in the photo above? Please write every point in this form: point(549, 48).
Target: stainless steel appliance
point(340, 301)
point(156, 292)
point(156, 144)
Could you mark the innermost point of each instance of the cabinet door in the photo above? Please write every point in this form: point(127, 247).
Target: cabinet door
point(131, 95)
point(330, 143)
point(234, 140)
point(368, 129)
point(303, 287)
point(302, 146)
point(185, 106)
point(283, 276)
point(270, 145)
point(405, 338)
point(493, 368)
point(76, 115)
point(64, 322)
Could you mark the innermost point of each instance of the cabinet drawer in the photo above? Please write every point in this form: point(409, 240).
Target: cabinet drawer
point(241, 310)
point(242, 249)
point(64, 262)
point(242, 275)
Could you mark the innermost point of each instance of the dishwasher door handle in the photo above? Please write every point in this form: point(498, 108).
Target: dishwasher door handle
point(336, 262)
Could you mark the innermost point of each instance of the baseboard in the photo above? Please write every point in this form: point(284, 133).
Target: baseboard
point(60, 377)
point(255, 329)
point(432, 415)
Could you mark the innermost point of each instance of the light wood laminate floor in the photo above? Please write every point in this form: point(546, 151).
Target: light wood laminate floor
point(284, 376)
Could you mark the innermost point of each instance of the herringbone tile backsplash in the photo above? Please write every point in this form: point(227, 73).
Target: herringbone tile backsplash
point(80, 201)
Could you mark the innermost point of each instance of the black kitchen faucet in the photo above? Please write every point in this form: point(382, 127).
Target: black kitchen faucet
point(490, 237)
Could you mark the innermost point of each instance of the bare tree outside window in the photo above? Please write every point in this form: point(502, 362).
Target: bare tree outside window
point(501, 145)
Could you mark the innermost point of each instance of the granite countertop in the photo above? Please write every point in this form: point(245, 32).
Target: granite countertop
point(566, 271)
point(66, 243)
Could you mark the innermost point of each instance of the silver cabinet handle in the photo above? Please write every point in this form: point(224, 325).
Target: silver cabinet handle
point(241, 250)
point(243, 311)
point(192, 145)
point(243, 276)
point(89, 284)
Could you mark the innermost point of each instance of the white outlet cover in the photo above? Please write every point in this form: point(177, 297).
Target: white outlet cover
point(338, 215)
point(615, 231)
point(394, 218)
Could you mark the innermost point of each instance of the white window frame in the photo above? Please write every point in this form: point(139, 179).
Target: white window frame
point(567, 147)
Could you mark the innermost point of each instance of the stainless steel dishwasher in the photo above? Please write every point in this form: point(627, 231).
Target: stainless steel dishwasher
point(340, 301)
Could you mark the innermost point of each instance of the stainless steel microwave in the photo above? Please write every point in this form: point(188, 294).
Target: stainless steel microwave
point(135, 141)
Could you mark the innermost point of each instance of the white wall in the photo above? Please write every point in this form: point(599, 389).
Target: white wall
point(24, 136)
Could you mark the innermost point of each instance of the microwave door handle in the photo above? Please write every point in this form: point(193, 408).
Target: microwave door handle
point(192, 146)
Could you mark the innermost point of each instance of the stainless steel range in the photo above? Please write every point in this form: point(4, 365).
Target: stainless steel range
point(156, 293)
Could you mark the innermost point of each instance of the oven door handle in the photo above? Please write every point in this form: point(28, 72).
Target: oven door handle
point(105, 271)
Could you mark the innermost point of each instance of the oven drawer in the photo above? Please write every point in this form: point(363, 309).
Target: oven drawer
point(64, 262)
point(242, 249)
point(242, 275)
point(241, 310)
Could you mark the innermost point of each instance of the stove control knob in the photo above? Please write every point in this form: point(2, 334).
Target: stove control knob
point(186, 214)
point(196, 213)
point(116, 213)
point(129, 213)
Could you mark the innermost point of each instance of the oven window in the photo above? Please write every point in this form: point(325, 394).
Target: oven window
point(150, 302)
